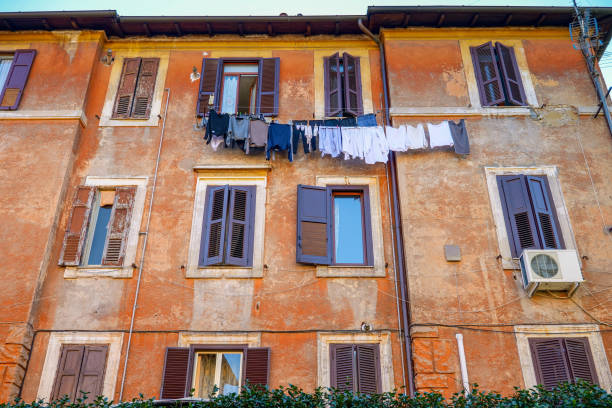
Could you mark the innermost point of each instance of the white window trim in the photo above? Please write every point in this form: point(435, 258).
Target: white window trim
point(378, 268)
point(54, 347)
point(552, 174)
point(132, 243)
point(383, 339)
point(591, 331)
point(186, 339)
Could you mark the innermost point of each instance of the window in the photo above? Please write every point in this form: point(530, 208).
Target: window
point(497, 75)
point(136, 88)
point(81, 369)
point(355, 367)
point(334, 226)
point(342, 85)
point(220, 369)
point(14, 72)
point(239, 88)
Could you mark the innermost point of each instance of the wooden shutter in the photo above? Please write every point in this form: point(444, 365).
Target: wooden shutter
point(76, 229)
point(580, 359)
point(91, 378)
point(352, 85)
point(68, 369)
point(239, 248)
point(213, 227)
point(143, 96)
point(487, 75)
point(119, 226)
point(343, 366)
point(174, 379)
point(368, 368)
point(257, 366)
point(518, 214)
point(544, 213)
point(267, 98)
point(313, 244)
point(16, 79)
point(127, 87)
point(209, 81)
point(332, 85)
point(511, 75)
point(549, 361)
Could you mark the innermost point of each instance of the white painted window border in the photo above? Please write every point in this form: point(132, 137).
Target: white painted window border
point(251, 339)
point(203, 181)
point(378, 250)
point(591, 331)
point(383, 339)
point(552, 174)
point(54, 347)
point(126, 270)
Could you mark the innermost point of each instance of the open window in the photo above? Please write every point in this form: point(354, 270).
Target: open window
point(342, 85)
point(14, 72)
point(239, 88)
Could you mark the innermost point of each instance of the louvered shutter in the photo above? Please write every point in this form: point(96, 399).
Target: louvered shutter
point(76, 229)
point(313, 244)
point(487, 75)
point(343, 366)
point(520, 223)
point(213, 227)
point(67, 376)
point(257, 366)
point(332, 86)
point(544, 213)
point(91, 377)
point(143, 96)
point(352, 85)
point(127, 87)
point(119, 226)
point(511, 75)
point(267, 98)
point(549, 361)
point(209, 81)
point(239, 248)
point(174, 379)
point(368, 368)
point(580, 359)
point(16, 79)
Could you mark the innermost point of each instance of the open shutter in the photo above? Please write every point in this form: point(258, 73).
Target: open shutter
point(145, 88)
point(119, 226)
point(367, 215)
point(209, 80)
point(352, 85)
point(368, 368)
point(267, 98)
point(544, 213)
point(240, 226)
point(76, 229)
point(511, 75)
point(93, 367)
point(16, 79)
point(333, 87)
point(487, 75)
point(174, 379)
point(257, 366)
point(313, 227)
point(549, 361)
point(67, 376)
point(343, 366)
point(127, 86)
point(213, 228)
point(518, 214)
point(580, 359)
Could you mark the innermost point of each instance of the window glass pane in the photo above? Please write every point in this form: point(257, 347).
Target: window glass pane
point(5, 65)
point(230, 373)
point(348, 229)
point(242, 68)
point(245, 92)
point(230, 87)
point(99, 236)
point(205, 376)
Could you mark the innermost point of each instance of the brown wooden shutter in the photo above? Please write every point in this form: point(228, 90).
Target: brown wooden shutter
point(127, 87)
point(68, 369)
point(16, 79)
point(240, 231)
point(143, 96)
point(267, 99)
point(368, 368)
point(91, 378)
point(352, 85)
point(119, 226)
point(174, 379)
point(580, 359)
point(257, 366)
point(209, 84)
point(332, 85)
point(313, 243)
point(487, 75)
point(76, 228)
point(544, 212)
point(511, 75)
point(214, 225)
point(549, 361)
point(343, 366)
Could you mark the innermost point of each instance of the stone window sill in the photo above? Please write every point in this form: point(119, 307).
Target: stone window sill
point(342, 271)
point(236, 272)
point(72, 272)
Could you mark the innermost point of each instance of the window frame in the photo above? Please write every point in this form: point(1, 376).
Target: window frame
point(366, 230)
point(195, 349)
point(239, 75)
point(344, 110)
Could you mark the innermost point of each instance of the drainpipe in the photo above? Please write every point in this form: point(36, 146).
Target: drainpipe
point(391, 167)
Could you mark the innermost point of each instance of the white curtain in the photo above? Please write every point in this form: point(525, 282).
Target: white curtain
point(230, 88)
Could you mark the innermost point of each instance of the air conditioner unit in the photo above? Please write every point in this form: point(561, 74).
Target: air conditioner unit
point(550, 269)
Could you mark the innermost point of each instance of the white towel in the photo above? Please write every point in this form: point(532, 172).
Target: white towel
point(439, 135)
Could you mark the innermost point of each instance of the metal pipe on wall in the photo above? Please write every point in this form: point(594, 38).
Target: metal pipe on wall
point(462, 364)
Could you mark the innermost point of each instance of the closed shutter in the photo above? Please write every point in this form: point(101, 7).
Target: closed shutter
point(368, 368)
point(333, 87)
point(549, 361)
point(209, 80)
point(580, 359)
point(257, 366)
point(213, 227)
point(544, 213)
point(511, 75)
point(343, 367)
point(16, 79)
point(267, 98)
point(127, 86)
point(145, 88)
point(313, 244)
point(67, 376)
point(119, 226)
point(518, 214)
point(352, 85)
point(76, 229)
point(174, 379)
point(91, 377)
point(240, 226)
point(487, 75)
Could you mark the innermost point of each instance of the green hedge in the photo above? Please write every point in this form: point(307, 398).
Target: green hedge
point(566, 395)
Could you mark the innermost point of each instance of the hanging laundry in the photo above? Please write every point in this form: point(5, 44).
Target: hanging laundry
point(351, 122)
point(439, 135)
point(460, 137)
point(258, 134)
point(379, 148)
point(330, 140)
point(406, 137)
point(356, 141)
point(314, 126)
point(416, 137)
point(216, 141)
point(279, 139)
point(299, 133)
point(217, 125)
point(238, 129)
point(366, 120)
